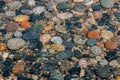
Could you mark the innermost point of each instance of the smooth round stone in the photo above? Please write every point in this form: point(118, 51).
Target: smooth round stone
point(96, 50)
point(88, 2)
point(103, 72)
point(60, 1)
point(103, 62)
point(14, 5)
point(61, 29)
point(78, 40)
point(51, 51)
point(10, 13)
point(63, 6)
point(79, 7)
point(31, 2)
point(56, 39)
point(30, 35)
point(17, 34)
point(91, 42)
point(27, 12)
point(64, 15)
point(107, 3)
point(8, 35)
point(37, 28)
point(15, 43)
point(38, 9)
point(106, 34)
point(21, 18)
point(98, 58)
point(50, 5)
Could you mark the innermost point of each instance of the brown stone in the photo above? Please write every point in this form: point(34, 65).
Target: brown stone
point(94, 34)
point(2, 46)
point(11, 26)
point(18, 68)
point(110, 45)
point(97, 14)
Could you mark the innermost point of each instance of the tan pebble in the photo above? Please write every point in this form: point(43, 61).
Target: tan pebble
point(106, 34)
point(95, 1)
point(77, 13)
point(21, 18)
point(58, 47)
point(118, 77)
point(5, 55)
point(99, 44)
point(78, 0)
point(82, 73)
point(45, 38)
point(52, 33)
point(47, 28)
point(116, 40)
point(47, 46)
point(2, 46)
point(97, 14)
point(82, 63)
point(110, 45)
point(75, 59)
point(114, 63)
point(18, 68)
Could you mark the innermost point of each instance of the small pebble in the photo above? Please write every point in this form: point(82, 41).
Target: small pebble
point(10, 13)
point(45, 38)
point(91, 42)
point(58, 47)
point(17, 34)
point(107, 3)
point(88, 2)
point(21, 18)
point(106, 34)
point(18, 68)
point(110, 45)
point(94, 34)
point(56, 40)
point(38, 9)
point(64, 15)
point(96, 50)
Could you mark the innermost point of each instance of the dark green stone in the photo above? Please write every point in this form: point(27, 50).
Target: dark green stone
point(37, 28)
point(63, 6)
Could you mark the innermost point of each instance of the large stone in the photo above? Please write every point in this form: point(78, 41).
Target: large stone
point(15, 43)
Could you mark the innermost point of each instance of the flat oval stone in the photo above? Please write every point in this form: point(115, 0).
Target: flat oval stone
point(107, 3)
point(14, 5)
point(63, 6)
point(38, 9)
point(64, 15)
point(56, 39)
point(106, 34)
point(61, 29)
point(17, 34)
point(96, 50)
point(58, 47)
point(15, 43)
point(60, 1)
point(9, 13)
point(79, 7)
point(21, 18)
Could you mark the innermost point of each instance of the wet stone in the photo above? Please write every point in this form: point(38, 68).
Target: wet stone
point(63, 5)
point(103, 72)
point(91, 42)
point(96, 50)
point(37, 28)
point(107, 3)
point(38, 9)
point(13, 43)
point(79, 7)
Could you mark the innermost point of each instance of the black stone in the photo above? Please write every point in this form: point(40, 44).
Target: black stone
point(6, 74)
point(2, 10)
point(67, 77)
point(118, 33)
point(21, 77)
point(112, 29)
point(103, 72)
point(94, 27)
point(17, 12)
point(3, 31)
point(117, 14)
point(30, 58)
point(34, 71)
point(6, 68)
point(74, 70)
point(8, 62)
point(110, 55)
point(39, 45)
point(77, 54)
point(96, 7)
point(37, 65)
point(33, 18)
point(41, 16)
point(78, 24)
point(2, 4)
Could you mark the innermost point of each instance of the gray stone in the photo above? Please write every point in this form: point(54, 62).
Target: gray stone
point(38, 9)
point(17, 34)
point(107, 3)
point(15, 43)
point(96, 50)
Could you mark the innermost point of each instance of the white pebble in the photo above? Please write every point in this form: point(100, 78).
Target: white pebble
point(38, 9)
point(56, 40)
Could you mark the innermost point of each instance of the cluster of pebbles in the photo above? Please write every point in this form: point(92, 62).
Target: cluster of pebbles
point(59, 40)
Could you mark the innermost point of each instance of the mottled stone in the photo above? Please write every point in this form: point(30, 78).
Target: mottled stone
point(20, 18)
point(107, 3)
point(15, 43)
point(38, 9)
point(61, 29)
point(96, 50)
point(10, 13)
point(18, 68)
point(58, 47)
point(56, 39)
point(106, 34)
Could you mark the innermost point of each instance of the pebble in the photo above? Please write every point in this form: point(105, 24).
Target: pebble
point(82, 63)
point(37, 28)
point(77, 39)
point(14, 5)
point(17, 34)
point(61, 29)
point(56, 39)
point(91, 42)
point(38, 9)
point(10, 13)
point(63, 6)
point(94, 34)
point(18, 68)
point(110, 45)
point(64, 15)
point(106, 34)
point(88, 2)
point(21, 18)
point(60, 1)
point(3, 46)
point(107, 3)
point(103, 62)
point(79, 7)
point(103, 72)
point(13, 43)
point(58, 47)
point(116, 40)
point(96, 50)
point(45, 38)
point(31, 2)
point(78, 0)
point(114, 63)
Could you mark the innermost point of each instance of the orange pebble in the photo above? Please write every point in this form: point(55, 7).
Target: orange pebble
point(85, 31)
point(118, 77)
point(99, 44)
point(25, 24)
point(94, 34)
point(110, 45)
